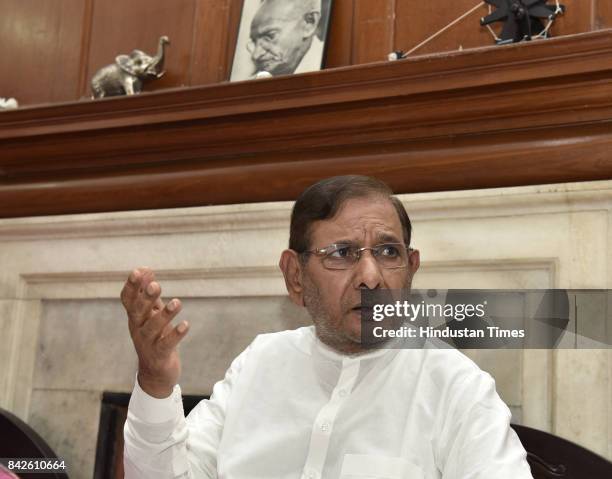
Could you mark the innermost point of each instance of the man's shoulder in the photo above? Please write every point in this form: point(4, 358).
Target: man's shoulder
point(446, 368)
point(451, 361)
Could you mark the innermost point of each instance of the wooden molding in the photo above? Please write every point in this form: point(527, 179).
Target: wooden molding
point(497, 116)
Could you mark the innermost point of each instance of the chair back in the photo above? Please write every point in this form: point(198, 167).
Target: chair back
point(552, 457)
point(19, 440)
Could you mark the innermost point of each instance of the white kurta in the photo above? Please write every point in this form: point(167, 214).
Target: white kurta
point(290, 407)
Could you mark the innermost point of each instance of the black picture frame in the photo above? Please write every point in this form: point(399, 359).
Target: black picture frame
point(281, 46)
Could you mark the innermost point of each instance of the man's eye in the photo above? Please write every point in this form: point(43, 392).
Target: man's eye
point(389, 251)
point(341, 252)
point(269, 36)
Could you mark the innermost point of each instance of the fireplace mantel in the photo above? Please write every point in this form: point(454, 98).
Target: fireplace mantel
point(491, 117)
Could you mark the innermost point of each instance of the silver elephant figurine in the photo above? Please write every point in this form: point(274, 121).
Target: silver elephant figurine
point(127, 74)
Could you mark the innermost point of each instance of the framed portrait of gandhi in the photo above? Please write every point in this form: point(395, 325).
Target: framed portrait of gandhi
point(280, 37)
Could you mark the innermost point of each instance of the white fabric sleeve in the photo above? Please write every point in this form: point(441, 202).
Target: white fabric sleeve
point(160, 442)
point(476, 440)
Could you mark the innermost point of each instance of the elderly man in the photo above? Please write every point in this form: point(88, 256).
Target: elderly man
point(283, 37)
point(314, 402)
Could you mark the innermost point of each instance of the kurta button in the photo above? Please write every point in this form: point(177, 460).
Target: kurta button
point(342, 393)
point(325, 426)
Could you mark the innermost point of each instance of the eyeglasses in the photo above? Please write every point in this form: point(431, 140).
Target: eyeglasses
point(345, 256)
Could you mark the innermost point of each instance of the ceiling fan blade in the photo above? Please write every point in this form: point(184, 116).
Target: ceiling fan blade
point(510, 30)
point(530, 3)
point(540, 11)
point(497, 15)
point(536, 26)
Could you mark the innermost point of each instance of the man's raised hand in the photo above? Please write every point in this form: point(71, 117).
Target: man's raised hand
point(154, 336)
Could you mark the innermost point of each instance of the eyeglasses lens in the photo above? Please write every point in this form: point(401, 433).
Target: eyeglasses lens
point(388, 256)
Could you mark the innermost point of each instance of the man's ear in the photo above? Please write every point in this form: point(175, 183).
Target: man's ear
point(311, 22)
point(414, 261)
point(292, 271)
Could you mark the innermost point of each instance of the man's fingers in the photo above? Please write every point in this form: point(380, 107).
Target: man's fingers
point(139, 275)
point(134, 276)
point(158, 305)
point(155, 324)
point(167, 330)
point(144, 302)
point(170, 341)
point(135, 284)
point(141, 295)
point(130, 288)
point(140, 321)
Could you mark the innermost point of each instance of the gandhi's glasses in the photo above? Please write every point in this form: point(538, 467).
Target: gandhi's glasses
point(345, 256)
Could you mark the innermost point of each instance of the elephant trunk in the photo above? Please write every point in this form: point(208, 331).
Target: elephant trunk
point(156, 68)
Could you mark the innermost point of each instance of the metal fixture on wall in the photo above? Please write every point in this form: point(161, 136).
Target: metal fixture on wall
point(523, 19)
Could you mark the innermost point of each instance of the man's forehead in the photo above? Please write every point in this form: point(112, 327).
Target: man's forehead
point(272, 11)
point(358, 218)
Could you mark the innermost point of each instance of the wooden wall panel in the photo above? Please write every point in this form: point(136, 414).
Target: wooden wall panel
point(373, 30)
point(120, 28)
point(215, 35)
point(577, 19)
point(603, 14)
point(40, 49)
point(424, 124)
point(340, 38)
point(211, 41)
point(235, 12)
point(417, 21)
point(50, 49)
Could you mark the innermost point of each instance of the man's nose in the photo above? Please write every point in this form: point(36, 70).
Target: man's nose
point(258, 50)
point(367, 272)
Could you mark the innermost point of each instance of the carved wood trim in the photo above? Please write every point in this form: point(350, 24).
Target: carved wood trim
point(496, 116)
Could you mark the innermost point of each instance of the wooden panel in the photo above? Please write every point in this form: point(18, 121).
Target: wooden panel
point(40, 50)
point(340, 38)
point(234, 23)
point(475, 162)
point(211, 40)
point(373, 30)
point(577, 18)
point(423, 124)
point(417, 21)
point(55, 56)
point(603, 14)
point(138, 24)
point(85, 46)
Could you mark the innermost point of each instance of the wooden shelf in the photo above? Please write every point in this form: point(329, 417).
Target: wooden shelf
point(498, 116)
